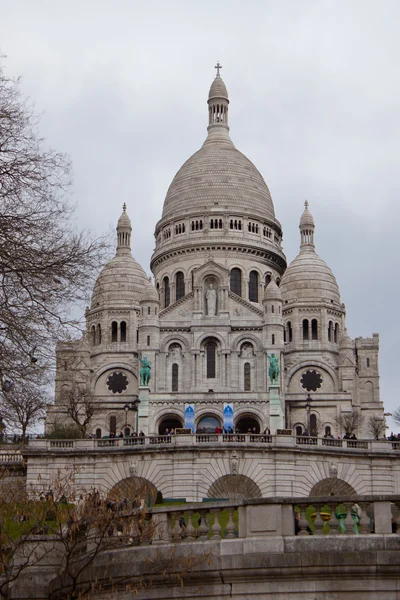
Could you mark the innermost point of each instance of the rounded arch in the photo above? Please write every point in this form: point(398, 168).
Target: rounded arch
point(174, 338)
point(213, 337)
point(247, 421)
point(310, 366)
point(234, 487)
point(332, 486)
point(165, 415)
point(254, 414)
point(249, 338)
point(208, 422)
point(134, 489)
point(170, 421)
point(235, 281)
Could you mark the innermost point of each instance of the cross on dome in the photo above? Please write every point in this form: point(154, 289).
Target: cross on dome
point(218, 67)
point(306, 204)
point(124, 207)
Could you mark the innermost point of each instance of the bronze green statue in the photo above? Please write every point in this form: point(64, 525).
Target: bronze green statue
point(145, 370)
point(274, 369)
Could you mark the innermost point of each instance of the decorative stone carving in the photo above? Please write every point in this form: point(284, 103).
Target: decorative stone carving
point(234, 460)
point(211, 296)
point(333, 470)
point(133, 468)
point(184, 312)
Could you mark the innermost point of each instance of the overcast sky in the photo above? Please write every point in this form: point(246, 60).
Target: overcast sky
point(315, 95)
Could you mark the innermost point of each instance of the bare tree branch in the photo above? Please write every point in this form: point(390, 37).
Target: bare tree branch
point(349, 422)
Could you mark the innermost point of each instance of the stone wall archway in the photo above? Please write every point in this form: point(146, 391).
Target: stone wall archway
point(332, 486)
point(234, 487)
point(134, 489)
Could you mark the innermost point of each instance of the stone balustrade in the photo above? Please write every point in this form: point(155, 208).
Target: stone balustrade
point(313, 516)
point(10, 457)
point(209, 439)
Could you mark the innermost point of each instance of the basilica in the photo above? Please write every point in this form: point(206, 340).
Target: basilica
point(191, 348)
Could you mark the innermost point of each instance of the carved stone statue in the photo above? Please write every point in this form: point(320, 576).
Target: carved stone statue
point(133, 468)
point(145, 370)
point(211, 297)
point(234, 463)
point(274, 369)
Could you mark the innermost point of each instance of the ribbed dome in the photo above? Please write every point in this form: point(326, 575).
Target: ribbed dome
point(308, 278)
point(121, 282)
point(306, 218)
point(218, 89)
point(124, 220)
point(272, 291)
point(149, 293)
point(218, 174)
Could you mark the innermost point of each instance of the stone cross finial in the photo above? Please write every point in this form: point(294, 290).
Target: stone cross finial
point(306, 204)
point(218, 67)
point(124, 207)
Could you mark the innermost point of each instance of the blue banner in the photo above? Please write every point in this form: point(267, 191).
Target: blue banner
point(228, 415)
point(189, 417)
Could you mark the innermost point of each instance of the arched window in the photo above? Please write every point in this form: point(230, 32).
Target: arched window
point(336, 333)
point(175, 377)
point(367, 363)
point(123, 331)
point(98, 433)
point(253, 286)
point(113, 424)
point(305, 329)
point(98, 334)
point(93, 335)
point(236, 281)
point(328, 431)
point(313, 426)
point(289, 332)
point(299, 430)
point(210, 355)
point(114, 331)
point(148, 340)
point(268, 278)
point(166, 292)
point(247, 377)
point(273, 339)
point(180, 285)
point(148, 310)
point(314, 329)
point(330, 331)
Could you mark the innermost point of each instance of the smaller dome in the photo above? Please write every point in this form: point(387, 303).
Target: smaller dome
point(124, 220)
point(150, 293)
point(345, 341)
point(306, 218)
point(218, 89)
point(120, 283)
point(272, 291)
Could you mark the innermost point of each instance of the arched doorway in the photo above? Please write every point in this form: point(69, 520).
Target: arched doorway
point(243, 424)
point(208, 424)
point(134, 489)
point(332, 486)
point(169, 422)
point(234, 487)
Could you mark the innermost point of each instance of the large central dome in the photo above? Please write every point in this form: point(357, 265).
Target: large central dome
point(218, 174)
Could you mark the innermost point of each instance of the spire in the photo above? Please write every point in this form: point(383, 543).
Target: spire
point(218, 103)
point(306, 229)
point(124, 229)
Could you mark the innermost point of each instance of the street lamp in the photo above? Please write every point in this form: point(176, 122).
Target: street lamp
point(126, 409)
point(135, 407)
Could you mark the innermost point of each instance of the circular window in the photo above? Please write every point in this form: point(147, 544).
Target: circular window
point(311, 381)
point(117, 383)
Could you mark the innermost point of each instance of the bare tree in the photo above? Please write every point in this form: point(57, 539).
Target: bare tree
point(376, 426)
point(78, 403)
point(23, 407)
point(349, 422)
point(45, 264)
point(396, 416)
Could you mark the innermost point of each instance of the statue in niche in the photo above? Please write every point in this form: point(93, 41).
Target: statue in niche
point(211, 297)
point(176, 350)
point(145, 370)
point(247, 351)
point(234, 463)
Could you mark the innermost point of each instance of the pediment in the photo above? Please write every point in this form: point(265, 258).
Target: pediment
point(210, 268)
point(238, 307)
point(81, 364)
point(347, 362)
point(181, 309)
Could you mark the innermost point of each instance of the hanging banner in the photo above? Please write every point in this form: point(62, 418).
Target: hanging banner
point(228, 416)
point(189, 417)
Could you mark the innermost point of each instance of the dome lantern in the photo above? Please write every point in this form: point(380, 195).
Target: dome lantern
point(307, 228)
point(218, 103)
point(124, 230)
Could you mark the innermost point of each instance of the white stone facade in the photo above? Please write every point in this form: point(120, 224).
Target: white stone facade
point(222, 301)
